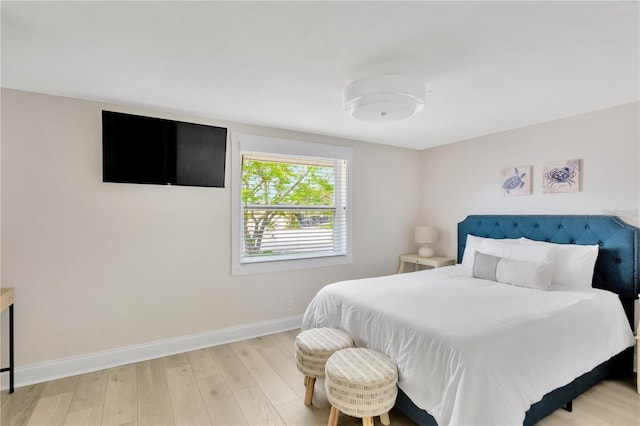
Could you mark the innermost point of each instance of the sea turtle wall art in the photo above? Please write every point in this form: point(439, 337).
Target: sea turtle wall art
point(516, 180)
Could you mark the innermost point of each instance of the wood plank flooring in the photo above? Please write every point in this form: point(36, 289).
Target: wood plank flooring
point(251, 382)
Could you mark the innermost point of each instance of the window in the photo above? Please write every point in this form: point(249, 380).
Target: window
point(291, 204)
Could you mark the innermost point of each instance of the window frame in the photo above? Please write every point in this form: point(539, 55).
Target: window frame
point(241, 143)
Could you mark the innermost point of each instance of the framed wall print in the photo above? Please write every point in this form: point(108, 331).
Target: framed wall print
point(516, 181)
point(561, 176)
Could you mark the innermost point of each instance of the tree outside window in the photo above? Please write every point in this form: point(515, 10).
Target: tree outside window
point(289, 205)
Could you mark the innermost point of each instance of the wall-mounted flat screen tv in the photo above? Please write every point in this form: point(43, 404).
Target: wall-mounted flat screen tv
point(137, 149)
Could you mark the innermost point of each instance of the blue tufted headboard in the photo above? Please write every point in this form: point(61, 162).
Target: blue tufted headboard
point(617, 264)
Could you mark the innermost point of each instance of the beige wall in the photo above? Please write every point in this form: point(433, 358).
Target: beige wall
point(100, 266)
point(464, 178)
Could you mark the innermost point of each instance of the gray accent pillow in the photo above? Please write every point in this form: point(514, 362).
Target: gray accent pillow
point(535, 275)
point(485, 266)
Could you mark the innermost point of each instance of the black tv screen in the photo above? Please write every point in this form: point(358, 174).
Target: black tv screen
point(137, 149)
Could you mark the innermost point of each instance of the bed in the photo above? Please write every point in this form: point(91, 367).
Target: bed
point(476, 351)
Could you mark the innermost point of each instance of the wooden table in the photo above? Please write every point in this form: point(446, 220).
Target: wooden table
point(6, 301)
point(417, 260)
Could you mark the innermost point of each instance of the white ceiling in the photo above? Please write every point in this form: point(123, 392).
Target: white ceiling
point(488, 66)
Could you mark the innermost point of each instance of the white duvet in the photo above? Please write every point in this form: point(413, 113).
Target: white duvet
point(471, 351)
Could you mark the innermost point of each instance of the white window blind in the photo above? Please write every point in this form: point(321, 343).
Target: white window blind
point(292, 207)
point(290, 204)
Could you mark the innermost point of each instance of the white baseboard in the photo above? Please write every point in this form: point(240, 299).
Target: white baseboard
point(51, 370)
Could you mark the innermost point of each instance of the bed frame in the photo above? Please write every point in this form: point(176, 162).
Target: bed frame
point(616, 270)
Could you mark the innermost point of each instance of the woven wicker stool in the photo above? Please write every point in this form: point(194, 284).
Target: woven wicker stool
point(361, 382)
point(313, 349)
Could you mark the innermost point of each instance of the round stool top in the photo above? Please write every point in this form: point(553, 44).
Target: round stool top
point(361, 366)
point(361, 382)
point(323, 340)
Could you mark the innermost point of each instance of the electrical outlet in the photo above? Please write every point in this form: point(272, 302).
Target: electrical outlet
point(290, 300)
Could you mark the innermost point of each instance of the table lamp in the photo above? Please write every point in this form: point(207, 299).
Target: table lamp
point(425, 235)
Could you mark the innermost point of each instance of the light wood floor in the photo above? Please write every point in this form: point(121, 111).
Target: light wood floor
point(254, 382)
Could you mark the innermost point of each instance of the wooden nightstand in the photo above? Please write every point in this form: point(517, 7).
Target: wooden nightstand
point(434, 262)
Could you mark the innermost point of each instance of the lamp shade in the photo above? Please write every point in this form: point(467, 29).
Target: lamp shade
point(384, 98)
point(426, 235)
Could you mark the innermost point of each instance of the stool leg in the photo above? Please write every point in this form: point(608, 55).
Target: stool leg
point(367, 421)
point(333, 417)
point(384, 418)
point(311, 381)
point(306, 379)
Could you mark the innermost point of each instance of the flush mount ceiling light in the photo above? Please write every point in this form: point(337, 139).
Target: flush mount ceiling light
point(384, 98)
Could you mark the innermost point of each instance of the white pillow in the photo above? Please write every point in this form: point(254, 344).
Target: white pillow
point(523, 252)
point(474, 244)
point(574, 263)
point(536, 275)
